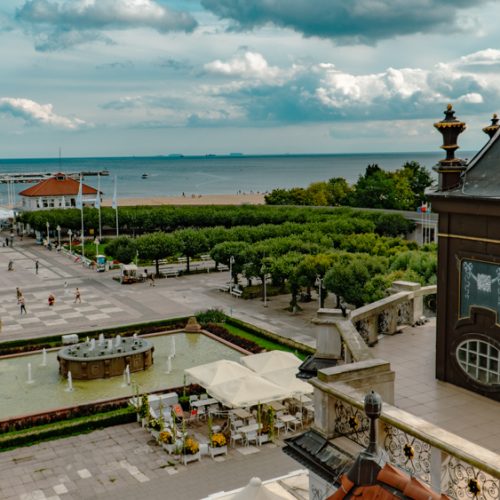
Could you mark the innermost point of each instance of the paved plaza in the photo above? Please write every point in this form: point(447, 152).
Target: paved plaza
point(123, 462)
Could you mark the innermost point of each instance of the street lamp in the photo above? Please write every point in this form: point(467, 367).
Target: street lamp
point(231, 262)
point(96, 241)
point(58, 236)
point(319, 284)
point(264, 279)
point(48, 235)
point(70, 234)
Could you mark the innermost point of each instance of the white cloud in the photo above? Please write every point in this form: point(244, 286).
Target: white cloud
point(486, 58)
point(249, 65)
point(34, 113)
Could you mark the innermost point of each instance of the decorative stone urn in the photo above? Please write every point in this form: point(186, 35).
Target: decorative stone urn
point(192, 326)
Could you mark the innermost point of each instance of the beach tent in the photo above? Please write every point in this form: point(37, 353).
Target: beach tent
point(217, 372)
point(271, 361)
point(248, 391)
point(286, 378)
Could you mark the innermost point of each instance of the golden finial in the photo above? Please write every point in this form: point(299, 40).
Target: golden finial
point(449, 107)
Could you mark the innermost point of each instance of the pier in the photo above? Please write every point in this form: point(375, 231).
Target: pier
point(29, 177)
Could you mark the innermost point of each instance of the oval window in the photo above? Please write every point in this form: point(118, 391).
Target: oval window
point(480, 360)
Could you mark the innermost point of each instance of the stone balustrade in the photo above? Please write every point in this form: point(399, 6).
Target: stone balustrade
point(445, 461)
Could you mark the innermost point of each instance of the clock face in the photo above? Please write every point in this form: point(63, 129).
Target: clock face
point(479, 286)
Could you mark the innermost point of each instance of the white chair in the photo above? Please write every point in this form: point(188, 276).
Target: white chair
point(203, 396)
point(236, 424)
point(234, 438)
point(252, 421)
point(278, 425)
point(193, 398)
point(251, 437)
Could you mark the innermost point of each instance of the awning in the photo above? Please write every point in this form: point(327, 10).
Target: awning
point(271, 361)
point(217, 372)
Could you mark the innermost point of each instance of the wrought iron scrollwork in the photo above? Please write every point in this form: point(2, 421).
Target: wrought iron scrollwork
point(351, 422)
point(363, 330)
point(405, 316)
point(408, 452)
point(465, 481)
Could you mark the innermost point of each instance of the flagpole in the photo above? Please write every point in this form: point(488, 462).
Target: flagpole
point(99, 201)
point(114, 204)
point(80, 202)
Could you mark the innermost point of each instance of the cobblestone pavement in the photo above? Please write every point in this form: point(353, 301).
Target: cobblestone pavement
point(124, 462)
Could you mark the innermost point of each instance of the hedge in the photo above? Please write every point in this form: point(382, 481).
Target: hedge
point(27, 437)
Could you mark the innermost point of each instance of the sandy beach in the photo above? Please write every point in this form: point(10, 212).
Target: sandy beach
point(205, 199)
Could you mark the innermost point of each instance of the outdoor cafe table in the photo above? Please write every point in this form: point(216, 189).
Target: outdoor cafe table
point(286, 419)
point(276, 406)
point(248, 429)
point(204, 402)
point(241, 413)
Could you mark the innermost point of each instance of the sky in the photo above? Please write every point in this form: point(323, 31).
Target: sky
point(159, 77)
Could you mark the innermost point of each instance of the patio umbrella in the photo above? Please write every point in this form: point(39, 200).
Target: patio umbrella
point(248, 391)
point(271, 361)
point(255, 490)
point(286, 378)
point(217, 372)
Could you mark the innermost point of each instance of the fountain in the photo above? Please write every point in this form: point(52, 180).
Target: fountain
point(173, 346)
point(126, 376)
point(69, 388)
point(110, 360)
point(101, 338)
point(92, 345)
point(44, 357)
point(30, 378)
point(118, 341)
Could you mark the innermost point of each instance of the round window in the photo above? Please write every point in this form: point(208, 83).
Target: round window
point(480, 360)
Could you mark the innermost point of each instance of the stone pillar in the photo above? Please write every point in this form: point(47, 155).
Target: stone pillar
point(417, 303)
point(328, 338)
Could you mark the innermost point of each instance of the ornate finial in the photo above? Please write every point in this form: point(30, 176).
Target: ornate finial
point(491, 130)
point(373, 410)
point(449, 107)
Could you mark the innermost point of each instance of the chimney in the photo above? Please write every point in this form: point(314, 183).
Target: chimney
point(491, 130)
point(450, 168)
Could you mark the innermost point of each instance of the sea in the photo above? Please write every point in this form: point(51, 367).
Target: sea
point(232, 174)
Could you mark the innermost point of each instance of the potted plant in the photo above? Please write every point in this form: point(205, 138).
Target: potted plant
point(217, 445)
point(166, 440)
point(190, 450)
point(155, 426)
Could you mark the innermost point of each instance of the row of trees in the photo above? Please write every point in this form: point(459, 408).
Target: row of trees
point(140, 220)
point(403, 189)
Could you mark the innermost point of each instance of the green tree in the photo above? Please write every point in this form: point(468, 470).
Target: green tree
point(123, 249)
point(338, 191)
point(191, 242)
point(157, 246)
point(239, 250)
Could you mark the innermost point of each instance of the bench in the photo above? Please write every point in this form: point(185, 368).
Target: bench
point(223, 267)
point(171, 273)
point(205, 257)
point(224, 288)
point(237, 292)
point(182, 260)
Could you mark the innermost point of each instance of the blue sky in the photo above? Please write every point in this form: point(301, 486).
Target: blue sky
point(148, 77)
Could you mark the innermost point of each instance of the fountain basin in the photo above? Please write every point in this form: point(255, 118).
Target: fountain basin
point(89, 360)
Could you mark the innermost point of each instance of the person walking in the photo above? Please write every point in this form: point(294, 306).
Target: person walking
point(151, 280)
point(19, 294)
point(36, 266)
point(22, 305)
point(10, 267)
point(78, 296)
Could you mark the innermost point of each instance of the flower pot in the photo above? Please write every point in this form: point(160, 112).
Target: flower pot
point(221, 450)
point(169, 448)
point(185, 459)
point(263, 438)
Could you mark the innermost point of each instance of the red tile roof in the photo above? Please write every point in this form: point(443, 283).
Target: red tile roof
point(59, 185)
point(400, 485)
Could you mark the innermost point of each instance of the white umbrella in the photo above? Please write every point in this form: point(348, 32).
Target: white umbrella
point(217, 372)
point(271, 361)
point(255, 490)
point(286, 378)
point(248, 391)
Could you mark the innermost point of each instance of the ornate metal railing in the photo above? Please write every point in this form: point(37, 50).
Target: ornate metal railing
point(456, 467)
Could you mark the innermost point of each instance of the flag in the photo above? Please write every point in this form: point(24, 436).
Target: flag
point(79, 198)
point(114, 203)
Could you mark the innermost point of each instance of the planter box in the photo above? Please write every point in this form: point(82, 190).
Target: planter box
point(185, 459)
point(169, 448)
point(154, 433)
point(221, 450)
point(263, 438)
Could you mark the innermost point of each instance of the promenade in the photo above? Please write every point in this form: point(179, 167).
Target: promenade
point(122, 462)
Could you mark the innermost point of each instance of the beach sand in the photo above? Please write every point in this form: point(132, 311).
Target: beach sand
point(205, 199)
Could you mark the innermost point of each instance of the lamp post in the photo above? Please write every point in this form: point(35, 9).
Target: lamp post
point(70, 234)
point(58, 236)
point(319, 284)
point(231, 262)
point(264, 279)
point(48, 235)
point(96, 241)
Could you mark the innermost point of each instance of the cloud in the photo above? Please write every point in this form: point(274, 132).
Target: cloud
point(352, 21)
point(323, 92)
point(116, 65)
point(72, 22)
point(143, 102)
point(249, 65)
point(33, 113)
point(483, 60)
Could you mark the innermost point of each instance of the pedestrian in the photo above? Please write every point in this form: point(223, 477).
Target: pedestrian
point(7, 241)
point(19, 294)
point(36, 266)
point(78, 296)
point(51, 299)
point(151, 280)
point(22, 305)
point(10, 266)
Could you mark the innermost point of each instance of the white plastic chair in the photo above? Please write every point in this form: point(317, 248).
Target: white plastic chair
point(234, 438)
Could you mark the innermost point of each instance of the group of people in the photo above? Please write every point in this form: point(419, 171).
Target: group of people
point(51, 299)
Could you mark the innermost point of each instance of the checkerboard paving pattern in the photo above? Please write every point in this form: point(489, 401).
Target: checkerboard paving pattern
point(93, 307)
